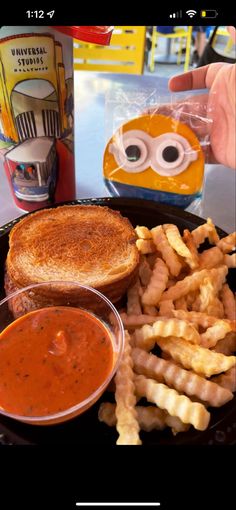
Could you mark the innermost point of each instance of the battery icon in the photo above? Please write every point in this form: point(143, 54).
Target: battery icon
point(209, 14)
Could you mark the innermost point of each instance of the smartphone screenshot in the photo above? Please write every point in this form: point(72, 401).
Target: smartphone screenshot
point(117, 255)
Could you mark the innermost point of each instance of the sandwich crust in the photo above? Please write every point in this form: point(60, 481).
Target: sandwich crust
point(88, 244)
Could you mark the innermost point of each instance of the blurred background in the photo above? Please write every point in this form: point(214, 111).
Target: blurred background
point(160, 50)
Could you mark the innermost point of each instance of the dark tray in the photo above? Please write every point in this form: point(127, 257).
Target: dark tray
point(86, 429)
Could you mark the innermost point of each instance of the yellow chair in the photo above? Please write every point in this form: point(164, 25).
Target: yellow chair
point(180, 34)
point(124, 55)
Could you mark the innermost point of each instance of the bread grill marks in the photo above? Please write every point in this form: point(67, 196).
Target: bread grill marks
point(89, 244)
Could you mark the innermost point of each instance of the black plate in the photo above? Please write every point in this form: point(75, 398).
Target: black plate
point(86, 428)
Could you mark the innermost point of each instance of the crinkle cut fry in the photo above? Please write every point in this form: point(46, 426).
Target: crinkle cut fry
point(188, 239)
point(218, 276)
point(166, 308)
point(175, 240)
point(228, 243)
point(151, 259)
point(150, 310)
point(227, 380)
point(157, 284)
point(216, 309)
point(106, 414)
point(206, 294)
point(178, 378)
point(145, 246)
point(133, 300)
point(145, 271)
point(143, 232)
point(181, 304)
point(229, 303)
point(145, 338)
point(135, 321)
point(197, 318)
point(149, 418)
point(167, 252)
point(176, 405)
point(213, 235)
point(183, 287)
point(127, 422)
point(196, 303)
point(207, 230)
point(193, 282)
point(227, 345)
point(230, 260)
point(176, 424)
point(215, 333)
point(200, 360)
point(200, 233)
point(211, 258)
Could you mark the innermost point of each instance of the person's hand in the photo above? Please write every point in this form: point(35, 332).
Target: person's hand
point(232, 33)
point(220, 79)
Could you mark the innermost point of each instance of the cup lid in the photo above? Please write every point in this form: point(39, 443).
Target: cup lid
point(91, 34)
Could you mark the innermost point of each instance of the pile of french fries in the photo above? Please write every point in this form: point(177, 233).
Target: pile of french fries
point(182, 304)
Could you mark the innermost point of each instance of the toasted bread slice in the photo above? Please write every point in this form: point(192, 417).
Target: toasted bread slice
point(92, 245)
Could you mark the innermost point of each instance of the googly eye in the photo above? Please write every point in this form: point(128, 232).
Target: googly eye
point(169, 154)
point(131, 151)
point(172, 154)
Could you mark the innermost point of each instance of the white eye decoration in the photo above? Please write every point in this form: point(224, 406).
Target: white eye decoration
point(171, 154)
point(168, 154)
point(131, 151)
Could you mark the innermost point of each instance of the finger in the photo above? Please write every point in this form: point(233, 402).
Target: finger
point(232, 32)
point(192, 111)
point(210, 157)
point(200, 78)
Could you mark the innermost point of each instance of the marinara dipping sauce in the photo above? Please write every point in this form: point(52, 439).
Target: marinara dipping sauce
point(51, 360)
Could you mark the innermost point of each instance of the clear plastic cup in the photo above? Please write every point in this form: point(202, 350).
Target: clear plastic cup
point(66, 294)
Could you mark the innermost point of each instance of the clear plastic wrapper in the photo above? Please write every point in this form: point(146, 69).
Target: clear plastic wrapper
point(157, 146)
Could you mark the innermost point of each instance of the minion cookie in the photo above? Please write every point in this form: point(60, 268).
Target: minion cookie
point(155, 157)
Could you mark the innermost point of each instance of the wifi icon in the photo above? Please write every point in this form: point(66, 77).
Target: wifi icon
point(191, 13)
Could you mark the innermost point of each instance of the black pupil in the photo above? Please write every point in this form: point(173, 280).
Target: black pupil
point(170, 154)
point(133, 152)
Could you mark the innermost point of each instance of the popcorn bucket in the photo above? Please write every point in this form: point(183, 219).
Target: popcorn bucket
point(37, 111)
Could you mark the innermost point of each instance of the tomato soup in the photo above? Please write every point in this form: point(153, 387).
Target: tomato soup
point(52, 359)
